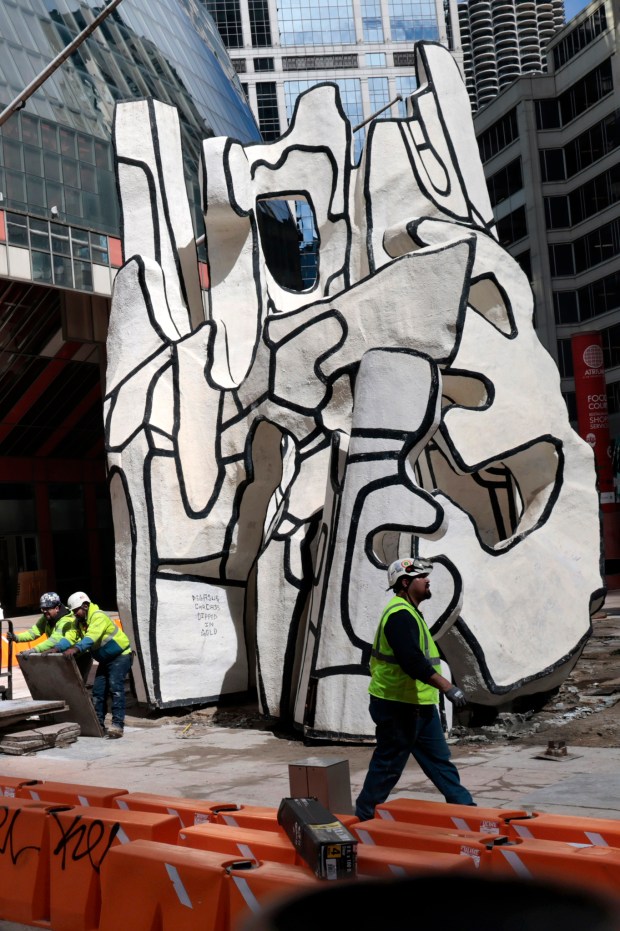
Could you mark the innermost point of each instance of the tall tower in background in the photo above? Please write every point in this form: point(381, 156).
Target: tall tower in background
point(364, 46)
point(503, 39)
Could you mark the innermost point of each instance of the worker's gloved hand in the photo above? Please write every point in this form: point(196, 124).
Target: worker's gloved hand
point(11, 637)
point(456, 696)
point(70, 652)
point(26, 653)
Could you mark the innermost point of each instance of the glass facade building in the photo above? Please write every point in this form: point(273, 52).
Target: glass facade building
point(59, 251)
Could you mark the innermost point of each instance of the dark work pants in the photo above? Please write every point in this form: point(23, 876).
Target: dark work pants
point(110, 683)
point(403, 729)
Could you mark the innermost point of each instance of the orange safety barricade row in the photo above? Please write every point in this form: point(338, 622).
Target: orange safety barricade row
point(260, 817)
point(447, 814)
point(67, 793)
point(425, 837)
point(374, 861)
point(10, 784)
point(250, 843)
point(148, 886)
point(80, 839)
point(601, 832)
point(189, 811)
point(547, 859)
point(24, 861)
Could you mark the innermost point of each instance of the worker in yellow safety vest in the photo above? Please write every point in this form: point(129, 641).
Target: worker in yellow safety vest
point(404, 694)
point(110, 646)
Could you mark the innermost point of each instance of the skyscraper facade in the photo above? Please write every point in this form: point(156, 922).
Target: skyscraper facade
point(502, 39)
point(59, 251)
point(365, 47)
point(550, 146)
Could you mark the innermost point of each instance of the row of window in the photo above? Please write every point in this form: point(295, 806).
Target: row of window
point(498, 136)
point(590, 146)
point(587, 302)
point(324, 62)
point(569, 209)
point(61, 255)
point(350, 95)
point(512, 227)
point(506, 181)
point(299, 24)
point(572, 258)
point(554, 113)
point(579, 37)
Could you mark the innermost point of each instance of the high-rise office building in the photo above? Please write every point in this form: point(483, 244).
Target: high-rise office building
point(550, 146)
point(502, 39)
point(365, 47)
point(59, 251)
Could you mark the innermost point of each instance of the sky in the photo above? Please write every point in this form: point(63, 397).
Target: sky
point(572, 7)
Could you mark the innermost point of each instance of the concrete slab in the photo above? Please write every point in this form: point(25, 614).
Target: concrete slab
point(51, 676)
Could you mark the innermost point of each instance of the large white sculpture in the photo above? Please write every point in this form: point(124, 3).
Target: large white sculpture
point(271, 451)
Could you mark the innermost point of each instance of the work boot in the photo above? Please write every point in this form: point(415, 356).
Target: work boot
point(113, 732)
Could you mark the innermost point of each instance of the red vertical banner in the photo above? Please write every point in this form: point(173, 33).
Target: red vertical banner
point(592, 414)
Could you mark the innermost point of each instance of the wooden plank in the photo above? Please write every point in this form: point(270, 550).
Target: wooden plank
point(57, 676)
point(15, 710)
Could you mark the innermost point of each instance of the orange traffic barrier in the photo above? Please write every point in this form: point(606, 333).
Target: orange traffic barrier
point(547, 859)
point(149, 886)
point(17, 648)
point(375, 860)
point(250, 843)
point(601, 832)
point(24, 861)
point(66, 793)
point(257, 884)
point(425, 837)
point(259, 817)
point(189, 811)
point(80, 840)
point(447, 814)
point(10, 784)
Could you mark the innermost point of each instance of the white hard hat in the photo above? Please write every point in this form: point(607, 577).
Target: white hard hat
point(77, 599)
point(411, 567)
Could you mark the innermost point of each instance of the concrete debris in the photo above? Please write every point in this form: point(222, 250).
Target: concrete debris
point(40, 738)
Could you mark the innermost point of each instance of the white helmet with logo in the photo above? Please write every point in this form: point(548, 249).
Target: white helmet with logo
point(77, 599)
point(411, 567)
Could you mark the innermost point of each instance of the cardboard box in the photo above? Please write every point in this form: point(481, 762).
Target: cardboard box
point(325, 844)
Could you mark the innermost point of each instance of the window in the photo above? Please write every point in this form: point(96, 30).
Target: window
point(263, 64)
point(299, 24)
point(260, 28)
point(552, 167)
point(372, 25)
point(585, 93)
point(506, 181)
point(498, 136)
point(565, 307)
point(561, 260)
point(565, 358)
point(547, 114)
point(413, 20)
point(227, 16)
point(512, 227)
point(557, 214)
point(579, 37)
point(267, 106)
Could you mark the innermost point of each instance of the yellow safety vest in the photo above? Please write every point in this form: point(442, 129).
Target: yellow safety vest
point(388, 679)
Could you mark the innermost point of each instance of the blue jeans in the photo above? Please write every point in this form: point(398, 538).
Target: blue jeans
point(403, 729)
point(110, 683)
